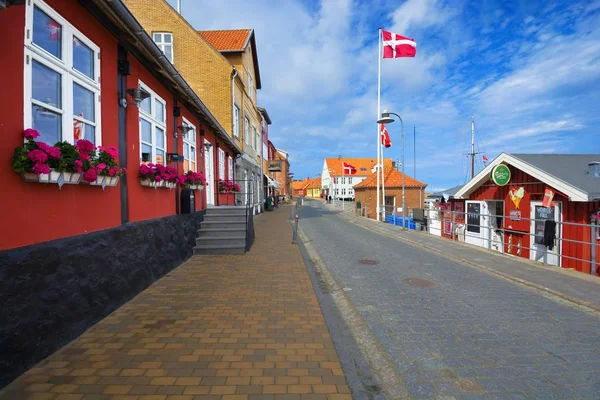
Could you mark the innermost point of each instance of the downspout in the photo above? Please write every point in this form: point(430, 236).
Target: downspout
point(175, 143)
point(234, 74)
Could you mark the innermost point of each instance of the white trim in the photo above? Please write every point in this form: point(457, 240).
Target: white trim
point(236, 120)
point(221, 163)
point(191, 144)
point(574, 193)
point(154, 124)
point(64, 67)
point(230, 168)
point(247, 131)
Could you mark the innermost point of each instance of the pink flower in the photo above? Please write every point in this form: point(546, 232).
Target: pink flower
point(42, 146)
point(157, 178)
point(90, 175)
point(79, 166)
point(53, 152)
point(30, 134)
point(101, 167)
point(84, 156)
point(113, 151)
point(85, 146)
point(40, 168)
point(37, 156)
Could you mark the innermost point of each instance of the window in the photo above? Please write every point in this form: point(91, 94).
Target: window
point(221, 164)
point(250, 86)
point(255, 137)
point(62, 78)
point(189, 147)
point(230, 168)
point(152, 128)
point(247, 131)
point(164, 41)
point(343, 192)
point(236, 121)
point(337, 191)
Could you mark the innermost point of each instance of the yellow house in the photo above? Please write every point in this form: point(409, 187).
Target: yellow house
point(222, 69)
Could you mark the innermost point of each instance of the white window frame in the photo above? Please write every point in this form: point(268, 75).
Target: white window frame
point(250, 85)
point(191, 145)
point(154, 123)
point(64, 67)
point(236, 121)
point(247, 130)
point(162, 44)
point(230, 168)
point(255, 138)
point(221, 164)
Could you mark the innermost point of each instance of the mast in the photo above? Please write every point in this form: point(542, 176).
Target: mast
point(472, 147)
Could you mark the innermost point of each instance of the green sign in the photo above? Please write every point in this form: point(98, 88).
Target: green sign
point(500, 175)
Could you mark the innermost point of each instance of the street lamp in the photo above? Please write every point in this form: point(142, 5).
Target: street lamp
point(386, 119)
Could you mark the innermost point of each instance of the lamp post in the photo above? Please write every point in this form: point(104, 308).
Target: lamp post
point(386, 119)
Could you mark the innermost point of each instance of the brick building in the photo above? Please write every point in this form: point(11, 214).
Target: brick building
point(414, 193)
point(222, 66)
point(283, 176)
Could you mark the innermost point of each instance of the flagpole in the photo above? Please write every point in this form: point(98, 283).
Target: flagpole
point(382, 183)
point(378, 116)
point(343, 182)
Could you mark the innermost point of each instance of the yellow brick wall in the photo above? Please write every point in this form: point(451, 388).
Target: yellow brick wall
point(206, 71)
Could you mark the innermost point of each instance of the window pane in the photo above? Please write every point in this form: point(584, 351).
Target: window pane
point(159, 110)
point(46, 85)
point(157, 37)
point(193, 166)
point(146, 105)
point(83, 131)
point(160, 157)
point(160, 138)
point(83, 102)
point(186, 165)
point(47, 33)
point(146, 131)
point(48, 124)
point(146, 153)
point(83, 58)
point(168, 37)
point(169, 52)
point(193, 153)
point(186, 151)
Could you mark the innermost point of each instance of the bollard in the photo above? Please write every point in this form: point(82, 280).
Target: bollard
point(295, 230)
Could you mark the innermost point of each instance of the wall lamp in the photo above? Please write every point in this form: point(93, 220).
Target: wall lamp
point(138, 94)
point(174, 157)
point(184, 130)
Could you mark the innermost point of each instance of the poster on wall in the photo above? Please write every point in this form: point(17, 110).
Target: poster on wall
point(473, 214)
point(448, 226)
point(460, 213)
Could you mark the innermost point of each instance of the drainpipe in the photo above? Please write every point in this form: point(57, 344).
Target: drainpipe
point(176, 115)
point(234, 74)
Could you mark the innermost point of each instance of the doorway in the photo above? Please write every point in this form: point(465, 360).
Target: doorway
point(496, 220)
point(210, 173)
point(477, 220)
point(541, 214)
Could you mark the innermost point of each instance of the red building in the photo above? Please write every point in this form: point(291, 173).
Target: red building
point(506, 206)
point(71, 70)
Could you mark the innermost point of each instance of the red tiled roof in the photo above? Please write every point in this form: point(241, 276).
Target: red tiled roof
point(392, 178)
point(315, 183)
point(299, 185)
point(227, 40)
point(363, 165)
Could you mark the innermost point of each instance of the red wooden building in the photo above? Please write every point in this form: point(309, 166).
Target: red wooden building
point(69, 256)
point(504, 208)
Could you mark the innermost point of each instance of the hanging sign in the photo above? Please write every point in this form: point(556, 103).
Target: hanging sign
point(548, 196)
point(500, 175)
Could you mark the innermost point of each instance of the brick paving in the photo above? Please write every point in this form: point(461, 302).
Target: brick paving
point(218, 327)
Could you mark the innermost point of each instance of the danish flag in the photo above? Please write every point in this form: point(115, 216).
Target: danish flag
point(385, 137)
point(396, 45)
point(349, 169)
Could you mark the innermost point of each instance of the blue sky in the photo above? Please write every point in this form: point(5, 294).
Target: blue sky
point(529, 71)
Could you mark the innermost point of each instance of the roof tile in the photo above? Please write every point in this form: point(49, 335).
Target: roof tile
point(227, 40)
point(363, 165)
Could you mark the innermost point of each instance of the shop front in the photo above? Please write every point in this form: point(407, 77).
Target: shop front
point(537, 207)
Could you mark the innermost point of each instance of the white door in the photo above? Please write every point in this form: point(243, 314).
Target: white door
point(209, 167)
point(538, 249)
point(477, 221)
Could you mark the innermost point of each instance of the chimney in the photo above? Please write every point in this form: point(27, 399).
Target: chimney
point(594, 169)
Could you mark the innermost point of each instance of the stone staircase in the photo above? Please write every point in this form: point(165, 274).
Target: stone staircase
point(223, 231)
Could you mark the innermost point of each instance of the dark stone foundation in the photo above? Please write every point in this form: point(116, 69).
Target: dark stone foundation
point(50, 293)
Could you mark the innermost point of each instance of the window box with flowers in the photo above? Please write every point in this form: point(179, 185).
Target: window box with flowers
point(228, 187)
point(105, 165)
point(192, 180)
point(157, 175)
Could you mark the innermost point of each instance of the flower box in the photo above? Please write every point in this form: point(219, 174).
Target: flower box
point(153, 184)
point(105, 181)
point(52, 177)
point(170, 185)
point(196, 187)
point(72, 178)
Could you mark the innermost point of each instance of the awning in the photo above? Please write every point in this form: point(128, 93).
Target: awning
point(272, 182)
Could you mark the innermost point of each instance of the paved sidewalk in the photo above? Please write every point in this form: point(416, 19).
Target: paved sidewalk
point(218, 327)
point(570, 285)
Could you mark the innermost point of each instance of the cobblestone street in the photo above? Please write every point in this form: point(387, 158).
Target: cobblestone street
point(452, 330)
